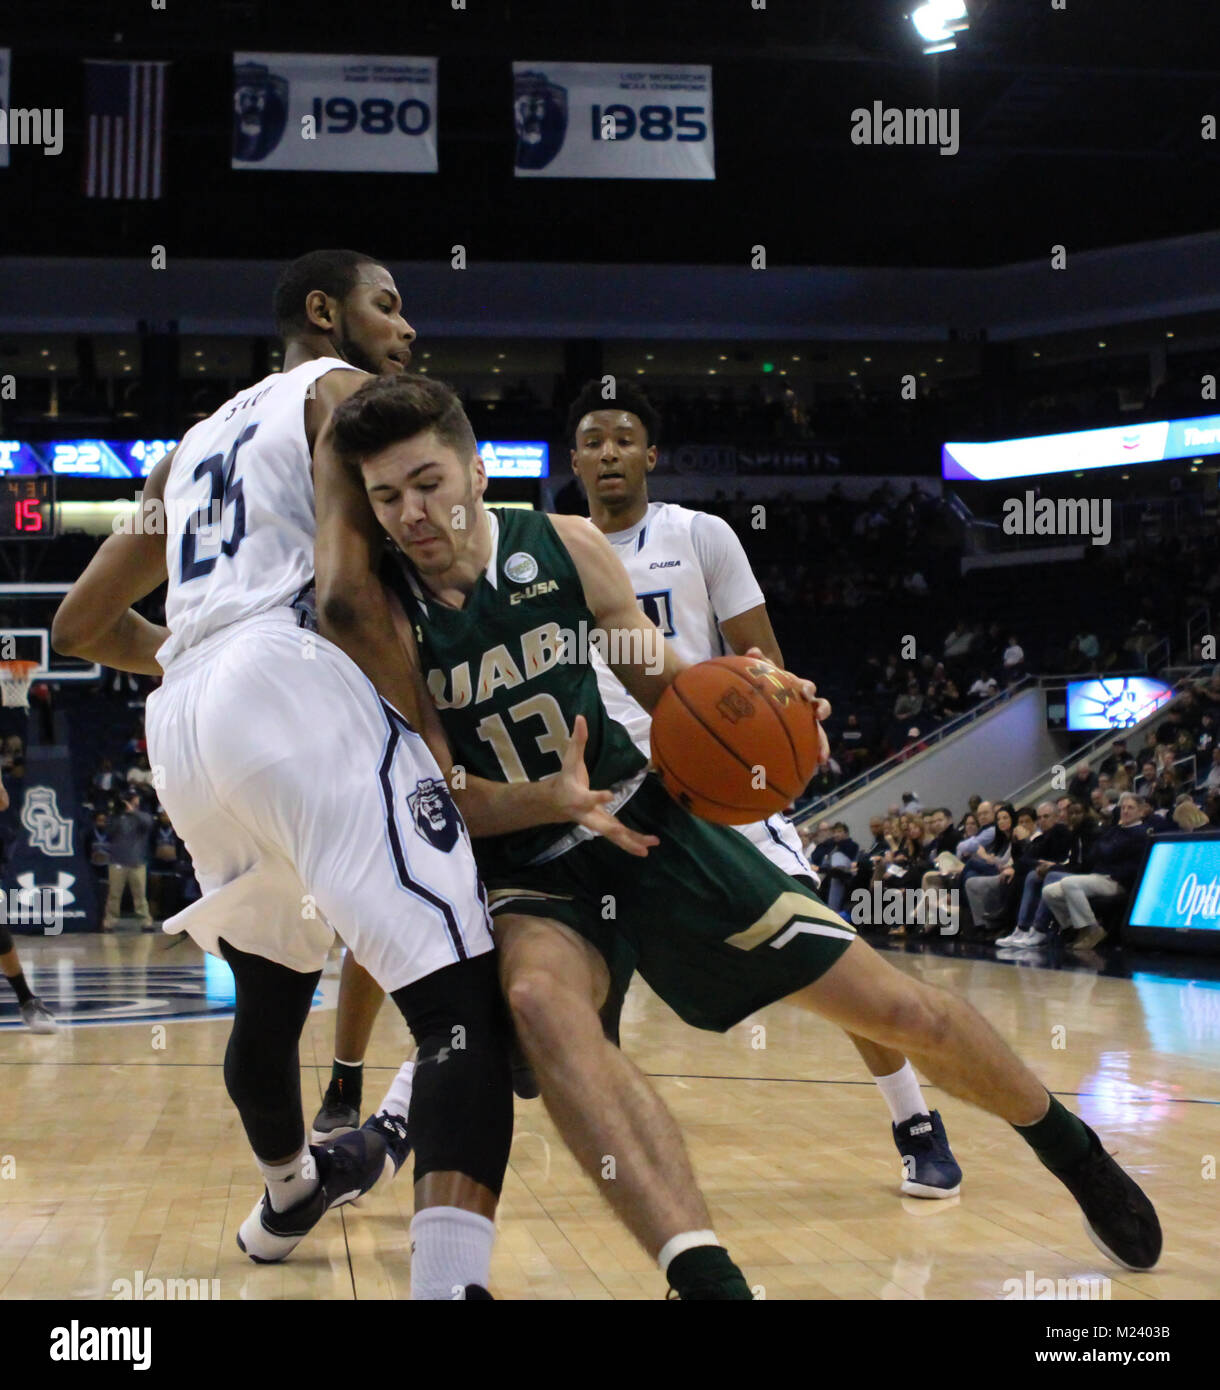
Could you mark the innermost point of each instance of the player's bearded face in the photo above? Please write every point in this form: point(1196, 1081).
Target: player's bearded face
point(370, 331)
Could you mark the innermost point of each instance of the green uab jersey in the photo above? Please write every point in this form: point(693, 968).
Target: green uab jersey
point(509, 672)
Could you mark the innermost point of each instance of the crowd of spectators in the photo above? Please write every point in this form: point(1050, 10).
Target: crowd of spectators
point(131, 846)
point(1020, 877)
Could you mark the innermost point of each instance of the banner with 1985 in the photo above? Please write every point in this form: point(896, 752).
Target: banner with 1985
point(327, 111)
point(607, 121)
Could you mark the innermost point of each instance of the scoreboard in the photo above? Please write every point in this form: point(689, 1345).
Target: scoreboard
point(27, 508)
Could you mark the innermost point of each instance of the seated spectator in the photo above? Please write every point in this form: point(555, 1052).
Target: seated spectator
point(1081, 783)
point(1188, 816)
point(991, 854)
point(910, 804)
point(853, 747)
point(984, 833)
point(958, 642)
point(1027, 823)
point(1211, 783)
point(994, 901)
point(984, 688)
point(909, 704)
point(1112, 862)
point(1034, 920)
point(839, 867)
point(969, 827)
point(945, 833)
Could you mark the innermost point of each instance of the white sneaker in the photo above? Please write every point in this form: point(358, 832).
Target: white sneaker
point(1034, 939)
point(37, 1017)
point(1016, 937)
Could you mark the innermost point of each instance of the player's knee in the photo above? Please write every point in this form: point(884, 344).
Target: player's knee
point(545, 1011)
point(919, 1017)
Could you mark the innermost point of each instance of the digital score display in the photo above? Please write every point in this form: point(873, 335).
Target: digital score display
point(84, 458)
point(27, 508)
point(1114, 702)
point(136, 458)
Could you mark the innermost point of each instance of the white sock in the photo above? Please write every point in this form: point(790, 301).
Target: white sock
point(291, 1182)
point(397, 1100)
point(683, 1241)
point(902, 1094)
point(450, 1248)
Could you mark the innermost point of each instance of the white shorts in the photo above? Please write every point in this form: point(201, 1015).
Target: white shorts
point(309, 807)
point(776, 839)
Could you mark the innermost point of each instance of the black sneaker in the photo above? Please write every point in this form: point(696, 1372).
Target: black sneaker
point(928, 1166)
point(392, 1130)
point(346, 1170)
point(476, 1293)
point(728, 1290)
point(335, 1118)
point(1118, 1218)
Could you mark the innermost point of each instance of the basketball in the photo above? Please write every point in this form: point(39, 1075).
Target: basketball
point(733, 740)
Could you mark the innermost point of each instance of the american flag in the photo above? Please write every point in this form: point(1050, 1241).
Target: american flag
point(125, 112)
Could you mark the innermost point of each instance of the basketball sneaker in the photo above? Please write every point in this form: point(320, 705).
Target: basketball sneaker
point(1118, 1218)
point(929, 1168)
point(346, 1170)
point(335, 1118)
point(392, 1130)
point(37, 1017)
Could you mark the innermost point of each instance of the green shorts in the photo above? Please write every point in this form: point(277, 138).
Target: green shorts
point(714, 927)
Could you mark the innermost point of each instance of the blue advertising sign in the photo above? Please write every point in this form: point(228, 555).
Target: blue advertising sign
point(1180, 887)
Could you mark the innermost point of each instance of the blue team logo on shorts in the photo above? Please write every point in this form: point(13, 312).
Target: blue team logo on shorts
point(435, 815)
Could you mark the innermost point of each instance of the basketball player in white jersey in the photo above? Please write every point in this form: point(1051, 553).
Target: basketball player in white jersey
point(692, 578)
point(308, 802)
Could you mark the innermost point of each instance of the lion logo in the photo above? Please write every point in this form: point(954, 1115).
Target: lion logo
point(540, 114)
point(434, 813)
point(260, 111)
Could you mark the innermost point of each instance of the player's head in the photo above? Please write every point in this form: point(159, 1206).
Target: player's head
point(613, 443)
point(419, 461)
point(346, 302)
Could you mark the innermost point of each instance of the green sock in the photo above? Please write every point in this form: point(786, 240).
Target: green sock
point(706, 1272)
point(347, 1081)
point(1060, 1139)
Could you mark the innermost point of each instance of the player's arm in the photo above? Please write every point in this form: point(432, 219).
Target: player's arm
point(96, 620)
point(750, 633)
point(732, 588)
point(646, 664)
point(498, 808)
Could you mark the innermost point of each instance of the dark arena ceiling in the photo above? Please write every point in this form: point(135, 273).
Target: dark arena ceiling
point(1080, 126)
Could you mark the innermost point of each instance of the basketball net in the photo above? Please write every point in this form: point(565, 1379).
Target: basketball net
point(15, 678)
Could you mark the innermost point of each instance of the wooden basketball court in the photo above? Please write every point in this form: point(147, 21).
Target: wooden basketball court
point(121, 1155)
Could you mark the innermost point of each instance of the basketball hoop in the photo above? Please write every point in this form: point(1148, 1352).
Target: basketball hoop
point(15, 678)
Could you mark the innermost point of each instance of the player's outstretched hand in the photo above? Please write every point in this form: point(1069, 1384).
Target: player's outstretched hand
point(809, 691)
point(576, 801)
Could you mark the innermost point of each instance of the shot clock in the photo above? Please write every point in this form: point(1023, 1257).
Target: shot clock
point(27, 508)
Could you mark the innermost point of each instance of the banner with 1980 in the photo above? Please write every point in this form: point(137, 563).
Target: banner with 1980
point(607, 121)
point(327, 111)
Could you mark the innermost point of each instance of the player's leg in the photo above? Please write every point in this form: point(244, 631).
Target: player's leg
point(929, 1168)
point(34, 1012)
point(956, 1048)
point(604, 1107)
point(360, 1000)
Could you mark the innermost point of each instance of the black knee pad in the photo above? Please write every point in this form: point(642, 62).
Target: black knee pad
point(6, 940)
point(461, 1117)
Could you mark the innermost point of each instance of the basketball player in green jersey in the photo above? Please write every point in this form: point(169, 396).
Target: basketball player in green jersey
point(496, 605)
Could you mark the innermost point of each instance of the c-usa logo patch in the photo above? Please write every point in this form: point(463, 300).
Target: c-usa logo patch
point(521, 568)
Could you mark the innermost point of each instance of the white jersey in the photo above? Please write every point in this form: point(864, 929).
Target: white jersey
point(690, 573)
point(239, 505)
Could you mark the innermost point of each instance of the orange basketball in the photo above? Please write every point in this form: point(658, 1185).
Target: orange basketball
point(733, 740)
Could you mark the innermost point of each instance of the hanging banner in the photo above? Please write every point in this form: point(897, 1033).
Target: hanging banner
point(607, 121)
point(339, 112)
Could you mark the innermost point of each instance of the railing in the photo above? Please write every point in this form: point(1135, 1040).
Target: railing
point(938, 735)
